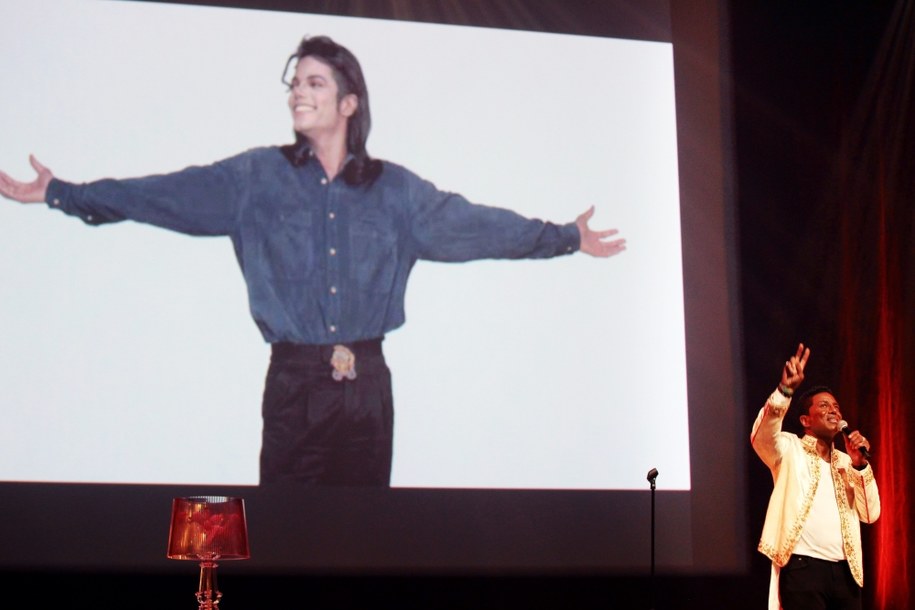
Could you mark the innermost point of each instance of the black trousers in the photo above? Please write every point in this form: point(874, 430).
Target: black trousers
point(807, 583)
point(322, 430)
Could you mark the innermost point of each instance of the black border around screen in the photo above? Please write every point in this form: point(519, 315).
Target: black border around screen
point(470, 531)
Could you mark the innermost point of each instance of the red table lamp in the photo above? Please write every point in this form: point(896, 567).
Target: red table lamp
point(208, 529)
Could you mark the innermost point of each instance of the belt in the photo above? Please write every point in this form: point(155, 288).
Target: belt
point(341, 356)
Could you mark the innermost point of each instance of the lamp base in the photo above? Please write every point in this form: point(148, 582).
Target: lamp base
point(208, 594)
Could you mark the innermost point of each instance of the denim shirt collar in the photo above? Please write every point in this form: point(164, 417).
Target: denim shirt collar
point(298, 154)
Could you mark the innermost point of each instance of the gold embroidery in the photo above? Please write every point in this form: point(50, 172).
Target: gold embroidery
point(780, 556)
point(847, 512)
point(849, 485)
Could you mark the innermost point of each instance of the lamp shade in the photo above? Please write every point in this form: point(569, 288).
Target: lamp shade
point(207, 528)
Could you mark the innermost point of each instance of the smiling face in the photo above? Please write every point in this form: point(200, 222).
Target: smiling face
point(822, 417)
point(319, 112)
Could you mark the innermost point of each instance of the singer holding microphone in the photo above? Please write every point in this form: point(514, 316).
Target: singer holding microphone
point(820, 496)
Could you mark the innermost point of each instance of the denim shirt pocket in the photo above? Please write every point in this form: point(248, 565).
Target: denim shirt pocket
point(373, 243)
point(287, 242)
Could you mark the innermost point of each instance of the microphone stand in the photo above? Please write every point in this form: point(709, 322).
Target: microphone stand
point(652, 475)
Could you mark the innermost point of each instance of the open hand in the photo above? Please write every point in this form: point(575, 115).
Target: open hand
point(27, 192)
point(594, 242)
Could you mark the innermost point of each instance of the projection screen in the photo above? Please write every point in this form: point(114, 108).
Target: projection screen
point(528, 394)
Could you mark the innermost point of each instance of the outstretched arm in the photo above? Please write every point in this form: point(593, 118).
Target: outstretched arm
point(27, 192)
point(594, 242)
point(765, 435)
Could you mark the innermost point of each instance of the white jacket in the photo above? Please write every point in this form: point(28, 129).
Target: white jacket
point(795, 467)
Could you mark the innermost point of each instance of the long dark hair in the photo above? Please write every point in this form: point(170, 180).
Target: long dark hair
point(361, 169)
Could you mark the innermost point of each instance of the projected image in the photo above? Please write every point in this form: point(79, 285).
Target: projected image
point(236, 239)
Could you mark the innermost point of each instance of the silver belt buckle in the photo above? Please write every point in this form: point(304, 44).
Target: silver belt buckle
point(343, 362)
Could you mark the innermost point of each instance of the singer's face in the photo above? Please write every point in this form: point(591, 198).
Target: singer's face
point(823, 416)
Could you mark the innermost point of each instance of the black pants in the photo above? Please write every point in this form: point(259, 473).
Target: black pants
point(322, 431)
point(806, 583)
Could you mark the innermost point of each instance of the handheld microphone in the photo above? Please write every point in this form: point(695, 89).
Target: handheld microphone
point(843, 426)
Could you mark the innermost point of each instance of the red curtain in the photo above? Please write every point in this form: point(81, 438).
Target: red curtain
point(877, 300)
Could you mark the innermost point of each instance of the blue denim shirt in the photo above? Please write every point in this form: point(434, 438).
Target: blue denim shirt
point(324, 261)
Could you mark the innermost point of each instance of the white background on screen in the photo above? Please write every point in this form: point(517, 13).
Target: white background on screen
point(129, 354)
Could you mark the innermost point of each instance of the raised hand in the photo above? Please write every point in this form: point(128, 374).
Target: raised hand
point(793, 371)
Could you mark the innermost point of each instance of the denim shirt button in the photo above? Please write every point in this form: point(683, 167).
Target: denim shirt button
point(333, 328)
point(323, 180)
point(56, 201)
point(332, 251)
point(331, 215)
point(333, 290)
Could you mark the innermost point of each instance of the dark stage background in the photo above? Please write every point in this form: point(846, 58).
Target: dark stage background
point(823, 196)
